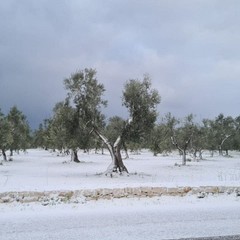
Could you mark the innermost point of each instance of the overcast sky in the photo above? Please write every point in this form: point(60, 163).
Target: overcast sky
point(190, 49)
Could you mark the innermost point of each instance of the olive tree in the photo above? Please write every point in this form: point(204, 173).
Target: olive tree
point(62, 130)
point(220, 131)
point(199, 141)
point(85, 100)
point(20, 130)
point(182, 133)
point(140, 100)
point(41, 135)
point(6, 138)
point(160, 138)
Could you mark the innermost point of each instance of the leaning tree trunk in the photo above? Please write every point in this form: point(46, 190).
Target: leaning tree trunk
point(221, 144)
point(117, 152)
point(117, 164)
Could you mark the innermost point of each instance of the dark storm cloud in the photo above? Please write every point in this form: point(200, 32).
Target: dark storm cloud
point(190, 49)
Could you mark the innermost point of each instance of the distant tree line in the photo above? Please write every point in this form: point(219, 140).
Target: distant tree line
point(77, 122)
point(190, 137)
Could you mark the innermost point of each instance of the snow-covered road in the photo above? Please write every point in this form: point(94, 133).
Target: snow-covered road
point(158, 218)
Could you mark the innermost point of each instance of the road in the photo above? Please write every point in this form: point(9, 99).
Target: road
point(111, 221)
point(235, 237)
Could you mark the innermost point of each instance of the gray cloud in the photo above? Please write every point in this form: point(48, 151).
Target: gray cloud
point(190, 49)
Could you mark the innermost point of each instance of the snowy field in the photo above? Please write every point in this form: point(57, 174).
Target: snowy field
point(39, 170)
point(162, 217)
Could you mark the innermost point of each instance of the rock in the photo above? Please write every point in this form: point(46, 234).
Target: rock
point(6, 199)
point(237, 193)
point(136, 192)
point(201, 195)
point(87, 193)
point(45, 203)
point(119, 193)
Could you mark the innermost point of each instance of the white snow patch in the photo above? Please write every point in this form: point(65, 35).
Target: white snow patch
point(39, 170)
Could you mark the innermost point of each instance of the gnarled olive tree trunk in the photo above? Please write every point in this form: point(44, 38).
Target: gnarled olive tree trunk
point(117, 164)
point(220, 146)
point(182, 150)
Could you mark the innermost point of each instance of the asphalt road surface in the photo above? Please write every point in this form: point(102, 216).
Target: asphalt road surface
point(236, 237)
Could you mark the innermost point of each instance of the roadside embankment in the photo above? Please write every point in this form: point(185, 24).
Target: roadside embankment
point(81, 196)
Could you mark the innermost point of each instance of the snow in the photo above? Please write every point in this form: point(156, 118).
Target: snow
point(156, 218)
point(163, 217)
point(39, 170)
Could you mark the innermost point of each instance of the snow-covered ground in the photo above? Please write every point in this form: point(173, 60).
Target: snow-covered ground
point(39, 170)
point(162, 217)
point(123, 219)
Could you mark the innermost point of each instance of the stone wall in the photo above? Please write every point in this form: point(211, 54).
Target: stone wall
point(81, 196)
